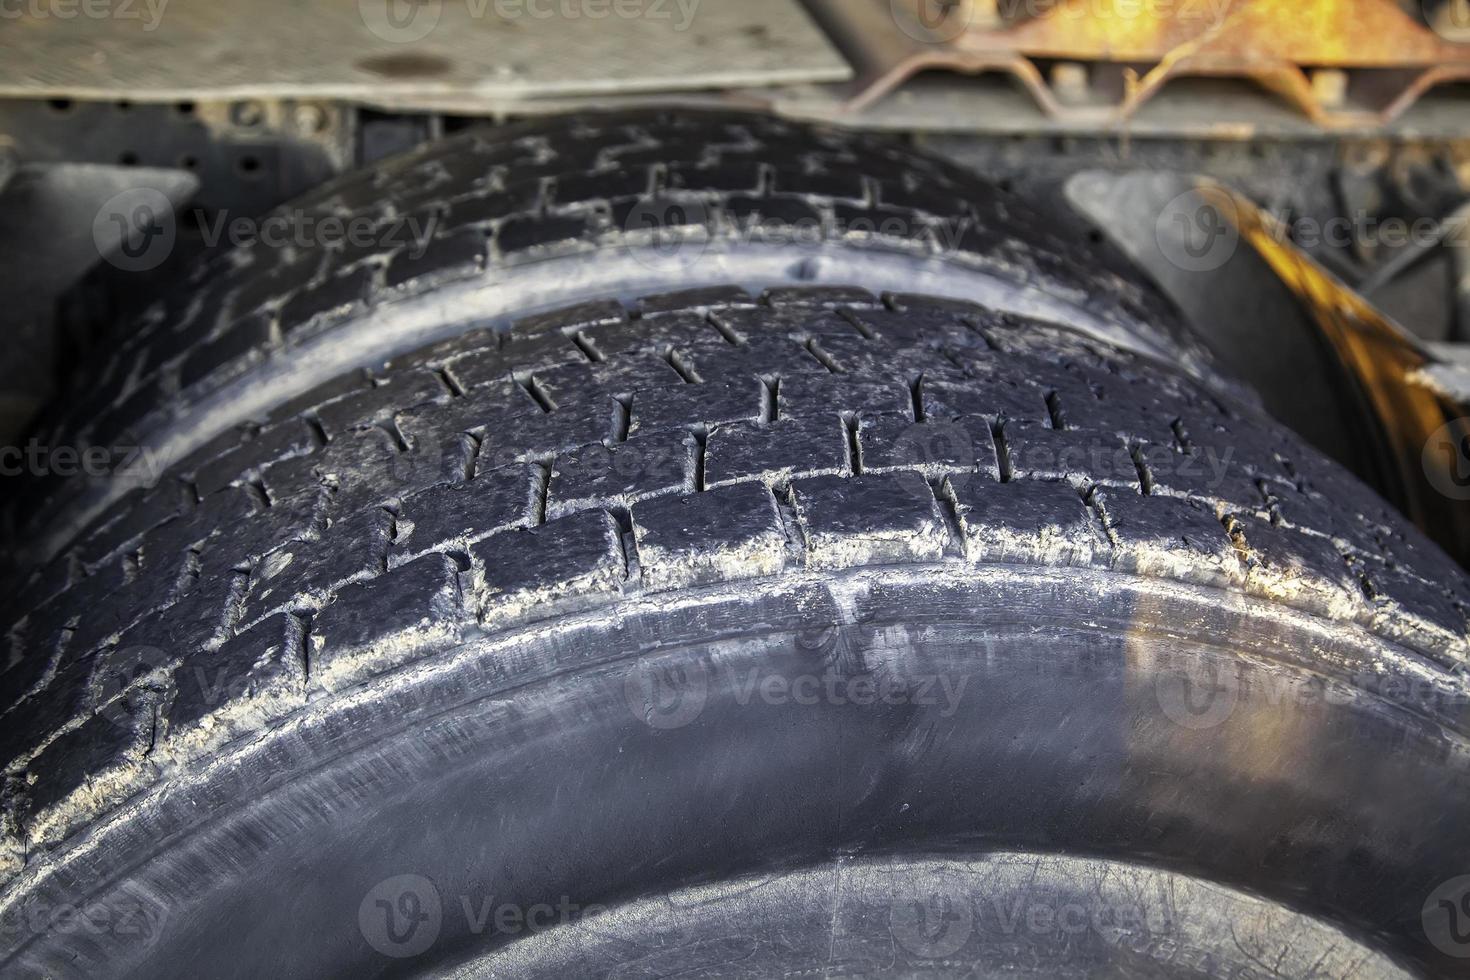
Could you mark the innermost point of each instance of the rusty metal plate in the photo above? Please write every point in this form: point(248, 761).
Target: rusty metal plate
point(406, 52)
point(1338, 63)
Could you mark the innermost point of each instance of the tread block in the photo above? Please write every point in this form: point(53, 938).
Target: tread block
point(401, 392)
point(542, 233)
point(228, 508)
point(455, 256)
point(743, 176)
point(568, 384)
point(103, 760)
point(889, 443)
point(555, 322)
point(108, 602)
point(1309, 514)
point(293, 519)
point(290, 438)
point(271, 285)
point(792, 313)
point(380, 624)
point(344, 384)
point(701, 298)
point(619, 475)
point(31, 645)
point(775, 453)
point(772, 212)
point(682, 405)
point(456, 514)
point(1297, 569)
point(878, 361)
point(484, 209)
point(761, 357)
point(537, 436)
point(812, 394)
point(1165, 537)
point(1201, 474)
point(253, 680)
point(723, 535)
point(1418, 613)
point(143, 511)
point(122, 420)
point(994, 400)
point(633, 182)
point(334, 298)
point(1240, 444)
point(657, 333)
point(1081, 458)
point(303, 572)
point(439, 353)
point(362, 468)
point(231, 352)
point(869, 520)
point(1030, 522)
point(194, 623)
point(540, 572)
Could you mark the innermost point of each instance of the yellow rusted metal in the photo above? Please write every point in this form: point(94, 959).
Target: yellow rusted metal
point(1383, 359)
point(1387, 58)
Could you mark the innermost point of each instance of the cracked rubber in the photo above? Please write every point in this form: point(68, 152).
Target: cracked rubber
point(488, 226)
point(500, 483)
point(528, 611)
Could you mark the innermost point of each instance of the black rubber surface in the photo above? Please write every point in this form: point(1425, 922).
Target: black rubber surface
point(541, 215)
point(487, 610)
point(600, 454)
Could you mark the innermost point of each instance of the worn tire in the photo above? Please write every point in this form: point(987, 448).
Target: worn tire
point(790, 630)
point(492, 225)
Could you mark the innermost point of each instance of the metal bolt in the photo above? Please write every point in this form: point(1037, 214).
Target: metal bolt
point(247, 113)
point(1069, 81)
point(311, 118)
point(1330, 85)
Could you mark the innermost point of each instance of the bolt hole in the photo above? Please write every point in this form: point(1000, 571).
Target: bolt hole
point(123, 105)
point(249, 166)
point(189, 162)
point(1095, 236)
point(184, 108)
point(128, 158)
point(61, 105)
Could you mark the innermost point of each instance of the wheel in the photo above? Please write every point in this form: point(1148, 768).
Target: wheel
point(480, 229)
point(736, 633)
